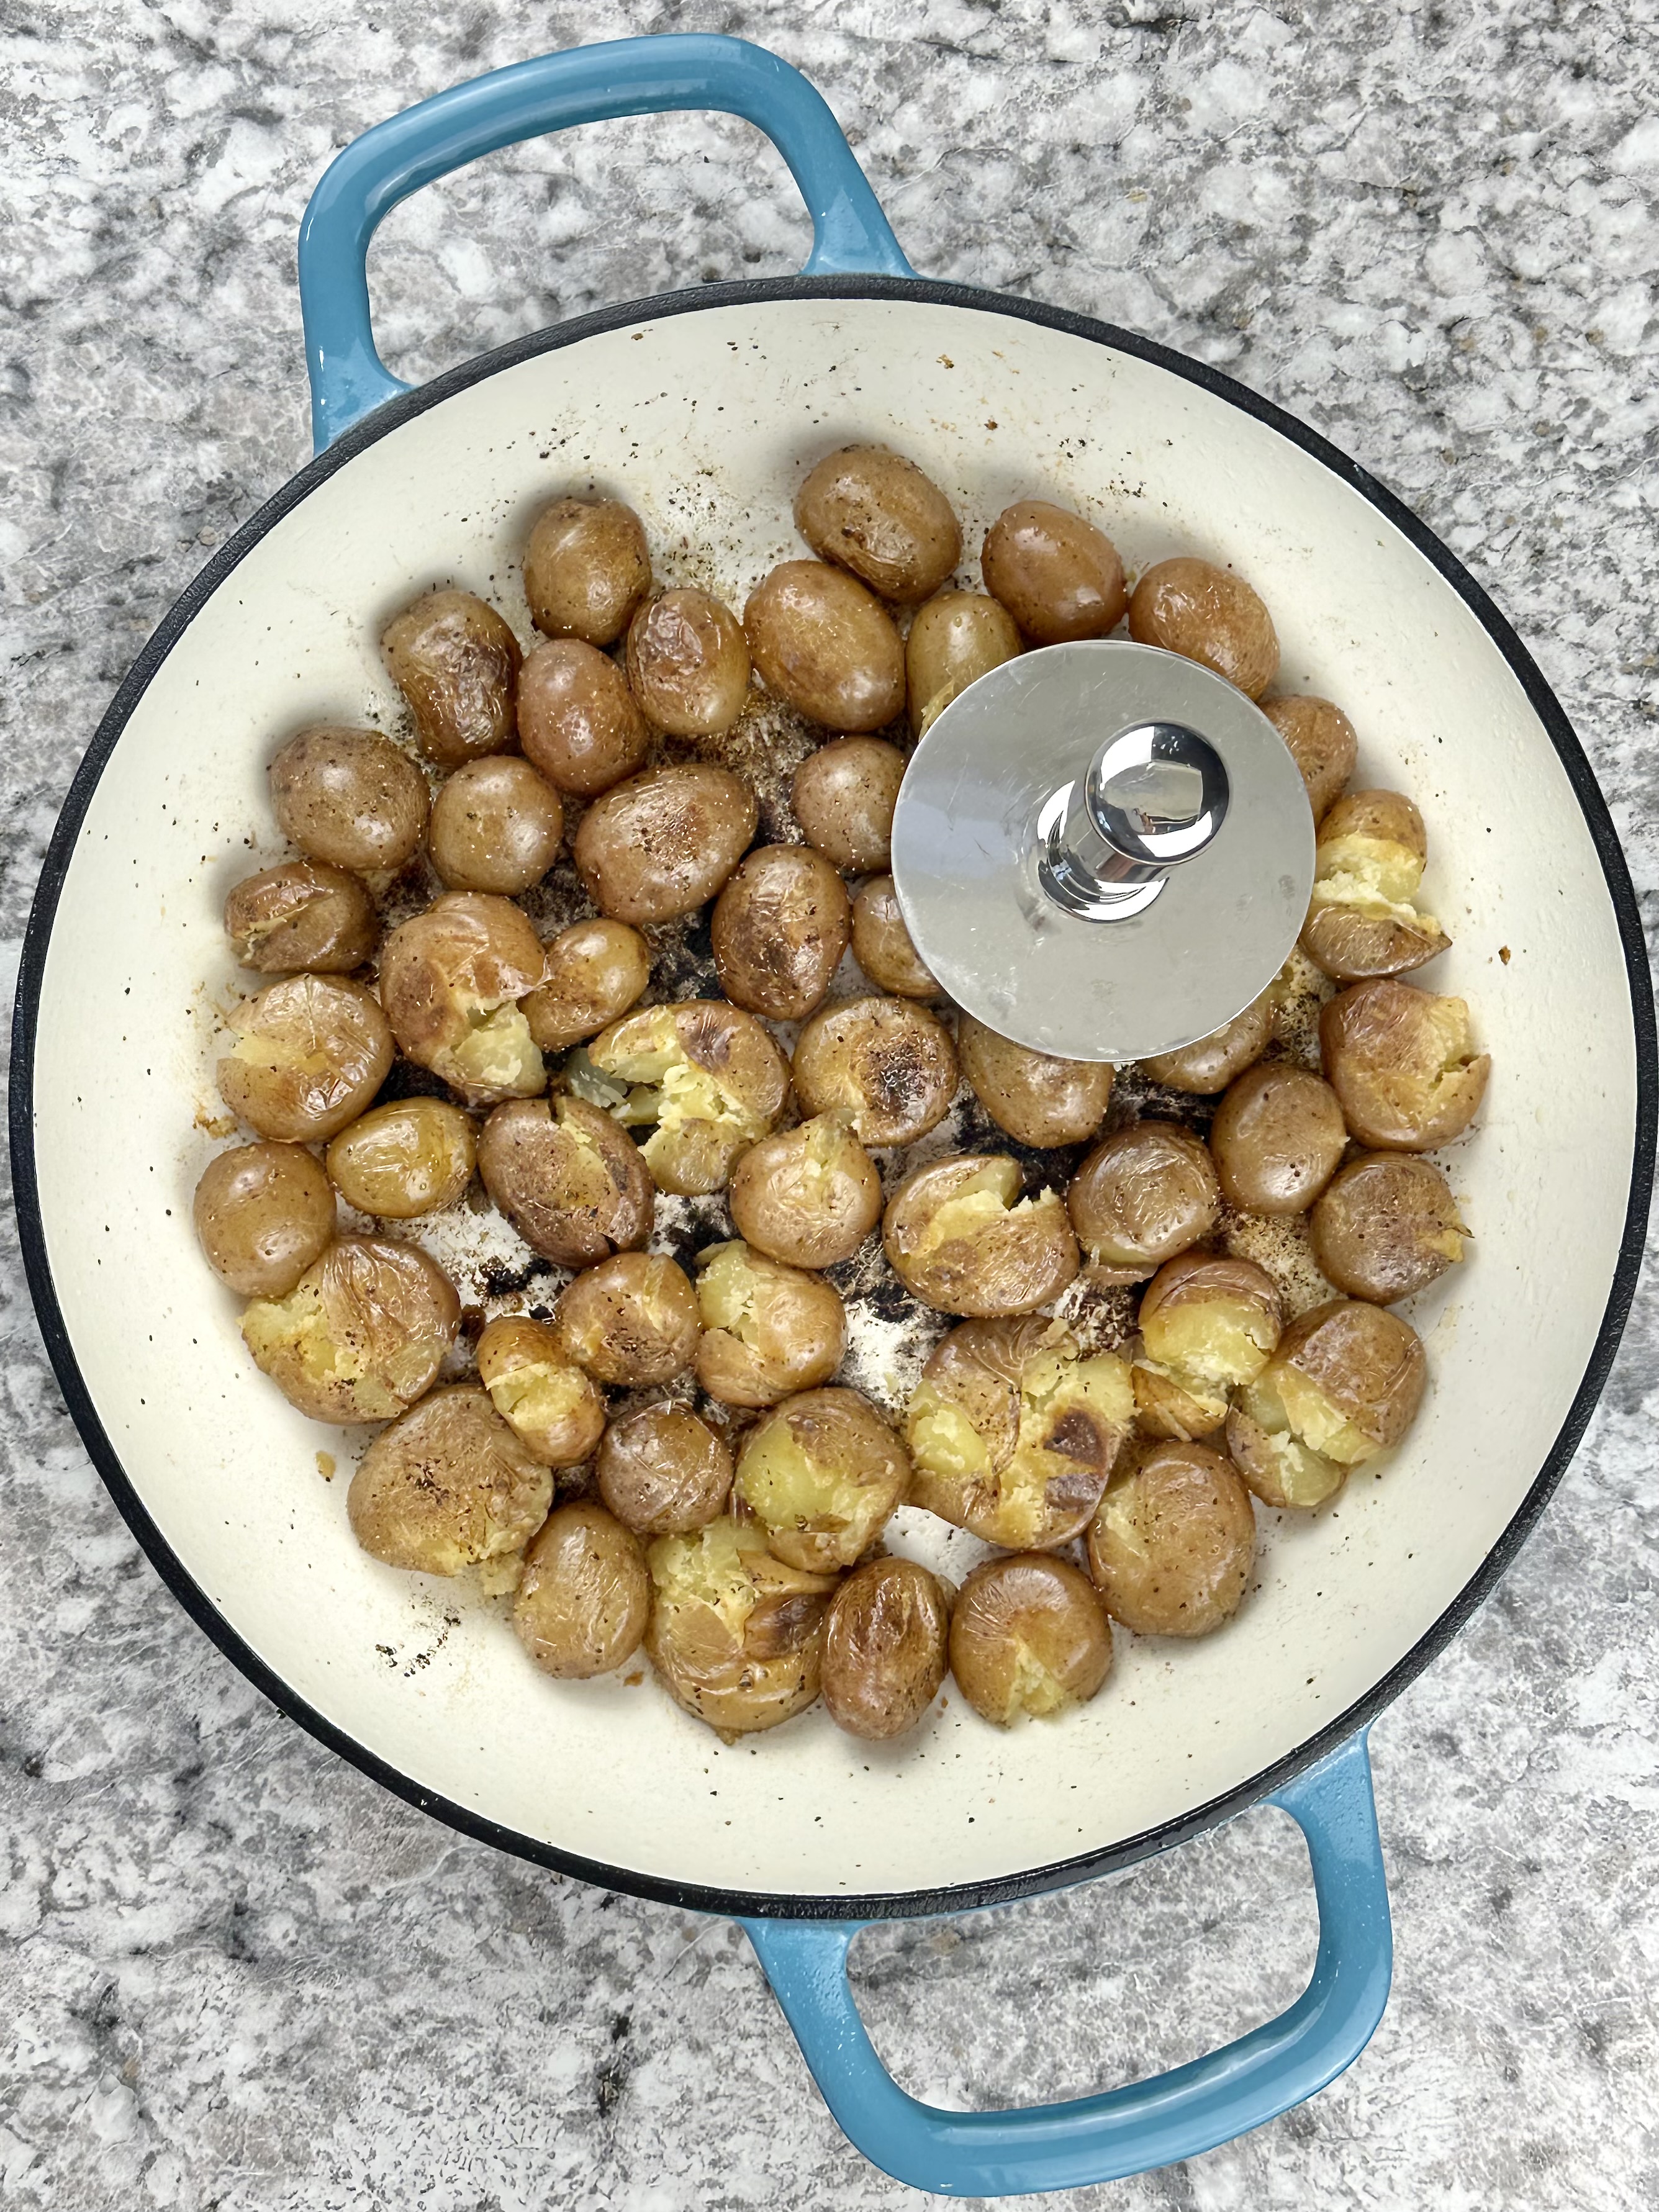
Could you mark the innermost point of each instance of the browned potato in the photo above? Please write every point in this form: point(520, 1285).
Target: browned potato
point(632, 1320)
point(403, 1160)
point(960, 1238)
point(1038, 1099)
point(457, 664)
point(663, 1472)
point(809, 1195)
point(450, 1486)
point(884, 1640)
point(1142, 1195)
point(876, 513)
point(687, 663)
point(585, 1595)
point(780, 928)
point(826, 647)
point(1367, 868)
point(844, 798)
point(1172, 1548)
point(1276, 1139)
point(1027, 1636)
point(882, 945)
point(1400, 1061)
point(1012, 1433)
point(451, 980)
point(595, 971)
point(1212, 1062)
point(1209, 615)
point(310, 1052)
point(570, 1182)
point(736, 1636)
point(1209, 1323)
point(263, 1212)
point(1386, 1227)
point(822, 1474)
point(586, 567)
point(578, 721)
point(496, 826)
point(768, 1329)
point(350, 798)
point(1059, 577)
point(361, 1335)
point(710, 1078)
point(1344, 1386)
point(1321, 742)
point(661, 844)
point(305, 914)
point(547, 1401)
point(887, 1063)
point(954, 639)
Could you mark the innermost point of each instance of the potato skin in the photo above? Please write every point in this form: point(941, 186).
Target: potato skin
point(263, 1214)
point(663, 843)
point(272, 1078)
point(876, 513)
point(1386, 1227)
point(551, 1407)
point(954, 639)
point(856, 1471)
point(305, 914)
point(456, 662)
point(1011, 1262)
point(844, 798)
point(470, 952)
point(809, 1195)
point(1277, 1138)
point(1368, 1362)
point(751, 1660)
point(780, 928)
point(1038, 1099)
point(768, 1329)
point(579, 723)
point(687, 663)
point(403, 1160)
point(631, 1319)
point(1367, 868)
point(825, 646)
point(1212, 1063)
point(1172, 1546)
point(379, 1316)
point(1059, 577)
point(882, 945)
point(1208, 615)
point(349, 798)
point(1143, 1194)
point(885, 1654)
point(1209, 1323)
point(889, 1064)
point(496, 826)
point(586, 1594)
point(663, 1471)
point(1028, 1606)
point(1398, 1060)
point(572, 1184)
point(447, 1487)
point(586, 567)
point(595, 971)
point(1321, 742)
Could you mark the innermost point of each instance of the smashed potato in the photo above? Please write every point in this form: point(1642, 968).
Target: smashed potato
point(809, 1195)
point(1028, 1638)
point(1367, 867)
point(549, 1403)
point(403, 1160)
point(1387, 1227)
point(891, 1066)
point(310, 1054)
point(361, 1336)
point(571, 1182)
point(451, 980)
point(822, 1474)
point(736, 1636)
point(449, 1487)
point(768, 1329)
point(1145, 1193)
point(631, 1320)
point(586, 1594)
point(1402, 1063)
point(959, 1236)
point(1344, 1387)
point(1172, 1548)
point(1208, 1324)
point(706, 1074)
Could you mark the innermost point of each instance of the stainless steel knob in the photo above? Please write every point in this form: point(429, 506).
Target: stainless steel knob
point(1154, 796)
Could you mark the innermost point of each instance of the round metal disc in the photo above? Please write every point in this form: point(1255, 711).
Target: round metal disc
point(1165, 969)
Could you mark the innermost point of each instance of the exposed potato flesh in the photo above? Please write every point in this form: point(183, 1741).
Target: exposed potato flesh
point(884, 1647)
point(1362, 920)
point(736, 1636)
point(809, 1195)
point(448, 1487)
point(361, 1336)
point(586, 1594)
point(1028, 1639)
point(545, 1398)
point(1277, 1465)
point(1403, 1064)
point(822, 1473)
point(1207, 1325)
point(960, 1238)
point(1172, 1548)
point(1344, 1387)
point(707, 1074)
point(768, 1329)
point(451, 980)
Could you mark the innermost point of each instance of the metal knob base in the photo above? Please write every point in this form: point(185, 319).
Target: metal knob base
point(1154, 797)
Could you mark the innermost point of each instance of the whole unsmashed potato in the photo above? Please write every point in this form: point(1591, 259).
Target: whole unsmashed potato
point(1322, 743)
point(578, 721)
point(663, 1471)
point(451, 980)
point(583, 1603)
point(780, 928)
point(310, 1054)
point(735, 1635)
point(890, 1065)
point(962, 1239)
point(361, 1336)
point(687, 663)
point(1277, 1138)
point(1209, 1323)
point(822, 1473)
point(1059, 577)
point(496, 826)
point(403, 1160)
point(1343, 1387)
point(456, 662)
point(1402, 1062)
point(545, 1398)
point(450, 1486)
point(1038, 1099)
point(1387, 1227)
point(768, 1329)
point(348, 797)
point(954, 639)
point(884, 1640)
point(1027, 1637)
point(1367, 867)
point(826, 646)
point(1172, 1548)
point(1211, 1064)
point(809, 1195)
point(632, 1320)
point(263, 1212)
point(594, 972)
point(844, 798)
point(882, 945)
point(663, 843)
point(570, 1182)
point(586, 567)
point(876, 513)
point(304, 915)
point(708, 1074)
point(1145, 1193)
point(1209, 615)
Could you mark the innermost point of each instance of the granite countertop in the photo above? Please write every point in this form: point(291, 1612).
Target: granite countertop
point(233, 1972)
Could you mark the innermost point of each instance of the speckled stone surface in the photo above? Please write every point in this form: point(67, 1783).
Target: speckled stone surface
point(234, 1973)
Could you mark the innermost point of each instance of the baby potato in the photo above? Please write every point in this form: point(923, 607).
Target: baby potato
point(887, 1063)
point(954, 639)
point(822, 1474)
point(663, 1472)
point(349, 798)
point(825, 646)
point(1321, 742)
point(1344, 1387)
point(662, 843)
point(1367, 867)
point(1059, 577)
point(1027, 1636)
point(1208, 615)
point(1212, 1062)
point(1387, 1227)
point(780, 928)
point(578, 721)
point(403, 1160)
point(361, 1335)
point(687, 663)
point(808, 1196)
point(768, 1329)
point(451, 980)
point(1400, 1061)
point(1277, 1138)
point(708, 1074)
point(585, 1595)
point(876, 513)
point(736, 1637)
point(549, 1403)
point(586, 567)
point(1172, 1548)
point(595, 971)
point(1038, 1099)
point(305, 914)
point(632, 1320)
point(1012, 1433)
point(1208, 1324)
point(960, 1238)
point(844, 798)
point(449, 1487)
point(263, 1213)
point(1143, 1194)
point(496, 826)
point(882, 945)
point(310, 1052)
point(884, 1638)
point(456, 662)
point(571, 1182)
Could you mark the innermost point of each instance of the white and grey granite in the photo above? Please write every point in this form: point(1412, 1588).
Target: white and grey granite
point(235, 1974)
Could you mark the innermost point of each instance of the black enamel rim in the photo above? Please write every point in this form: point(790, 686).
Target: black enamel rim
point(910, 1904)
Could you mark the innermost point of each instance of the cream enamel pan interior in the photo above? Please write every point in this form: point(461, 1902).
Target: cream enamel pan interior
point(701, 411)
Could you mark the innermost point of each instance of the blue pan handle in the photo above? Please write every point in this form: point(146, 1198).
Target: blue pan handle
point(1147, 2123)
point(586, 84)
